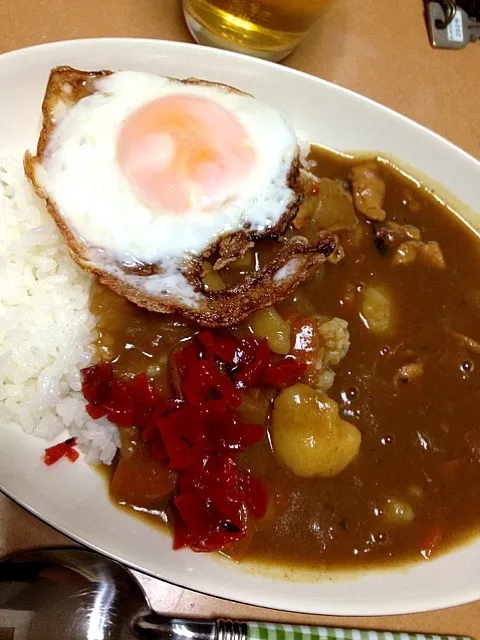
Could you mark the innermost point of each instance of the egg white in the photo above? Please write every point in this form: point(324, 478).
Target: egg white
point(80, 173)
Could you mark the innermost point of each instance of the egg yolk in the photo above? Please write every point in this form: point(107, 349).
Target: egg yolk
point(178, 149)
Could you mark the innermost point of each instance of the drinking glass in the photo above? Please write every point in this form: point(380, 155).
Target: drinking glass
point(268, 29)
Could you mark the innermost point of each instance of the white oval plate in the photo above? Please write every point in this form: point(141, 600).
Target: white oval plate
point(73, 498)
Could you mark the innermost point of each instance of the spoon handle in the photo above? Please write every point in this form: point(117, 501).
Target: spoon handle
point(152, 627)
point(279, 631)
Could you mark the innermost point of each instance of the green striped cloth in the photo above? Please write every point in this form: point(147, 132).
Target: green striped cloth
point(271, 631)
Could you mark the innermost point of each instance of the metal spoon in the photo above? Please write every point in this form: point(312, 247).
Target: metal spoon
point(75, 594)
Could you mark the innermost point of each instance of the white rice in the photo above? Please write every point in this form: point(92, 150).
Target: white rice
point(46, 328)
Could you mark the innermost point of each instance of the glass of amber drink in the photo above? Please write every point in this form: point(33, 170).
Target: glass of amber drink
point(268, 29)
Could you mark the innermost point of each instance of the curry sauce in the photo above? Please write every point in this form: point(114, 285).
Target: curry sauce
point(412, 387)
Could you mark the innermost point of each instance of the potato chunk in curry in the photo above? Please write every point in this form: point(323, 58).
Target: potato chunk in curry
point(378, 310)
point(268, 323)
point(308, 434)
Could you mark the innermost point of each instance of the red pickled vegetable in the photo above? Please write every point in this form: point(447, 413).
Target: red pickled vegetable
point(95, 411)
point(251, 374)
point(143, 392)
point(284, 373)
point(203, 528)
point(228, 392)
point(198, 433)
point(53, 454)
point(237, 436)
point(207, 340)
point(246, 351)
point(57, 451)
point(189, 355)
point(229, 350)
point(96, 382)
point(181, 536)
point(210, 505)
point(230, 508)
point(72, 454)
point(222, 384)
point(120, 406)
point(196, 383)
point(214, 407)
point(161, 410)
point(248, 434)
point(195, 512)
point(183, 433)
point(256, 495)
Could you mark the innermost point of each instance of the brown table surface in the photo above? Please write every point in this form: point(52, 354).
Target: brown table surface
point(379, 48)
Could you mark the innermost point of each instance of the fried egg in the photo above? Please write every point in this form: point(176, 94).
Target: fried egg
point(146, 176)
point(148, 167)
